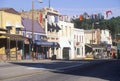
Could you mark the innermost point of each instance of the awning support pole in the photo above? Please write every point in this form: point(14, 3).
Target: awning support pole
point(16, 49)
point(23, 50)
point(29, 50)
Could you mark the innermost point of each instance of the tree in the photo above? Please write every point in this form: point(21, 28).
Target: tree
point(112, 24)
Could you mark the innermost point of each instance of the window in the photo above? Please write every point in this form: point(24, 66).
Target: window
point(23, 33)
point(66, 30)
point(62, 30)
point(29, 35)
point(80, 38)
point(78, 51)
point(74, 36)
point(8, 29)
point(38, 37)
point(35, 37)
point(70, 30)
point(17, 30)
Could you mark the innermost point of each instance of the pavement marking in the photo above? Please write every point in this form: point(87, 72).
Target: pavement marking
point(67, 67)
point(36, 68)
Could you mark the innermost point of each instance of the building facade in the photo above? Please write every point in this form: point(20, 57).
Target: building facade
point(66, 40)
point(12, 39)
point(39, 45)
point(79, 43)
point(58, 30)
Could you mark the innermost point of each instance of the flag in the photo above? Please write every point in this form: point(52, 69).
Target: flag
point(107, 13)
point(92, 17)
point(95, 16)
point(85, 15)
point(41, 17)
point(81, 17)
point(99, 16)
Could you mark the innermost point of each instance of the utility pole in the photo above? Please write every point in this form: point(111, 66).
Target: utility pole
point(33, 29)
point(49, 4)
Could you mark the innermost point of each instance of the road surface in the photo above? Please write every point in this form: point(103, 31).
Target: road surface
point(101, 72)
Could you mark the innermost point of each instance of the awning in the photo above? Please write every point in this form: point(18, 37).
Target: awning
point(1, 29)
point(18, 25)
point(50, 27)
point(58, 28)
point(96, 46)
point(64, 43)
point(8, 24)
point(14, 36)
point(46, 43)
point(53, 27)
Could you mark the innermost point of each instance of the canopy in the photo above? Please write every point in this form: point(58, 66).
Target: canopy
point(46, 43)
point(14, 36)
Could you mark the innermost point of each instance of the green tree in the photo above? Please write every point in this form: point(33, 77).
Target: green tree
point(112, 24)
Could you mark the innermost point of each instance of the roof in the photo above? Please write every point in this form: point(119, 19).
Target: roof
point(10, 10)
point(96, 46)
point(27, 23)
point(14, 36)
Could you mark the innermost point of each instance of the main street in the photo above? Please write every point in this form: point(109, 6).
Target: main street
point(81, 71)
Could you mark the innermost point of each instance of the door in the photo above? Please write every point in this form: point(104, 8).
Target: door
point(66, 53)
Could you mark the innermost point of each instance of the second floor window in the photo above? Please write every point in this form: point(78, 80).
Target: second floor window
point(8, 29)
point(17, 30)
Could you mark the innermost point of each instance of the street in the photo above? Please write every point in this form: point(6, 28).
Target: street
point(104, 71)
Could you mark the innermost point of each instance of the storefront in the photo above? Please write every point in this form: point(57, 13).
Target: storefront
point(42, 49)
point(11, 45)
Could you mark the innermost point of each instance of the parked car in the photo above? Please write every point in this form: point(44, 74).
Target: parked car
point(100, 56)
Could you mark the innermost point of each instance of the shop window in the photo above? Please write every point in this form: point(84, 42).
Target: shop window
point(78, 51)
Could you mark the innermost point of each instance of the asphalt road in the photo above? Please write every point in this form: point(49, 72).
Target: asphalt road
point(101, 72)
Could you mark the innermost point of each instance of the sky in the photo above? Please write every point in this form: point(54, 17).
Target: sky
point(67, 7)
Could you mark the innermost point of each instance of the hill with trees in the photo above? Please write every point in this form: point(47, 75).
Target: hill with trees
point(112, 24)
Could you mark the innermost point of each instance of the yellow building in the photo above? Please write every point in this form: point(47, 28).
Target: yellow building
point(10, 39)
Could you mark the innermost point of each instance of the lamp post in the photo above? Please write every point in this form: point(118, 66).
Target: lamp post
point(33, 25)
point(49, 4)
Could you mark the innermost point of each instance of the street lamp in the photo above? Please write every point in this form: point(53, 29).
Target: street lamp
point(49, 4)
point(33, 25)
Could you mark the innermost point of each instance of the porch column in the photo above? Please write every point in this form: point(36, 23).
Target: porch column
point(23, 50)
point(8, 48)
point(16, 49)
point(29, 50)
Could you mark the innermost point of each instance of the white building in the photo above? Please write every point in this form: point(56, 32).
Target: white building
point(90, 36)
point(79, 43)
point(66, 40)
point(59, 30)
point(106, 37)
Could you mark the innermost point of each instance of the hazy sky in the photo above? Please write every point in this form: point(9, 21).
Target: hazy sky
point(67, 7)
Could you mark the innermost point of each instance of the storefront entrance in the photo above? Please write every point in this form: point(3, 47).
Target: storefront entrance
point(66, 53)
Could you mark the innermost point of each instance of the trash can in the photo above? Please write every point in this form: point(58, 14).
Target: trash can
point(53, 57)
